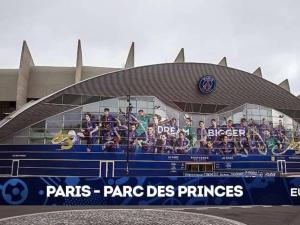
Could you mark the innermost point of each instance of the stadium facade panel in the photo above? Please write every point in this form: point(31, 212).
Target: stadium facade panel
point(181, 118)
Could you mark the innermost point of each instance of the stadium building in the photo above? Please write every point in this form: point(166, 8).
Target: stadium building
point(175, 118)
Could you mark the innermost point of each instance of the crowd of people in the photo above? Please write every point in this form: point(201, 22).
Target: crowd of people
point(143, 133)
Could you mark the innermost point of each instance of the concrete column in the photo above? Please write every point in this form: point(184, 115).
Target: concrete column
point(130, 58)
point(258, 72)
point(26, 63)
point(223, 62)
point(79, 63)
point(285, 85)
point(180, 57)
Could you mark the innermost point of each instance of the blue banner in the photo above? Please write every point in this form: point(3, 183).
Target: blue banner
point(150, 191)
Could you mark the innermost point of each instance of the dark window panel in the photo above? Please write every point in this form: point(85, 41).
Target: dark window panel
point(57, 100)
point(220, 107)
point(181, 105)
point(32, 99)
point(188, 107)
point(72, 99)
point(196, 107)
point(208, 108)
point(89, 99)
point(6, 108)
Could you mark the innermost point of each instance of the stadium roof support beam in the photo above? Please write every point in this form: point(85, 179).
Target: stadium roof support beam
point(130, 58)
point(26, 63)
point(258, 72)
point(180, 57)
point(79, 63)
point(285, 85)
point(223, 62)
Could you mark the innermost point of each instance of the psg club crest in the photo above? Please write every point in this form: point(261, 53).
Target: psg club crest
point(207, 84)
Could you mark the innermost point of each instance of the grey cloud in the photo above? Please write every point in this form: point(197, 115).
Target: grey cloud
point(250, 33)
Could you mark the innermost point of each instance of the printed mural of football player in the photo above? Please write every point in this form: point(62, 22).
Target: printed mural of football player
point(256, 143)
point(209, 150)
point(122, 130)
point(172, 123)
point(264, 126)
point(272, 143)
point(156, 121)
point(74, 137)
point(214, 126)
point(190, 130)
point(149, 142)
point(163, 144)
point(252, 124)
point(240, 141)
point(112, 139)
point(229, 124)
point(143, 122)
point(226, 147)
point(134, 145)
point(182, 143)
point(108, 132)
point(67, 141)
point(89, 131)
point(280, 134)
point(245, 145)
point(173, 129)
point(107, 120)
point(202, 134)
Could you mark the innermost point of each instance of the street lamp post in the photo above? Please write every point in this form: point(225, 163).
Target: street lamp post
point(128, 140)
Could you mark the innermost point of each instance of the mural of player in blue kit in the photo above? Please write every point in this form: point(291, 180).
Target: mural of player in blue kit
point(241, 142)
point(149, 141)
point(264, 126)
point(157, 135)
point(209, 149)
point(280, 134)
point(213, 138)
point(90, 129)
point(181, 144)
point(112, 139)
point(202, 134)
point(226, 146)
point(107, 120)
point(163, 144)
point(132, 139)
point(107, 128)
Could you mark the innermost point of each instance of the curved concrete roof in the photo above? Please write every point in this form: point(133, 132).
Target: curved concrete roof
point(174, 83)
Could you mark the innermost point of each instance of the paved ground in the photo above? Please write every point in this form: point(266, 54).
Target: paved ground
point(253, 215)
point(119, 216)
point(258, 215)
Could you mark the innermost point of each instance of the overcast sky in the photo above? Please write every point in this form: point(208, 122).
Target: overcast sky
point(250, 33)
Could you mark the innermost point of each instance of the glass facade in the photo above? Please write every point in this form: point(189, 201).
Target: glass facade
point(158, 114)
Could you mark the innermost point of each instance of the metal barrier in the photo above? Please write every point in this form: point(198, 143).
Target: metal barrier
point(281, 166)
